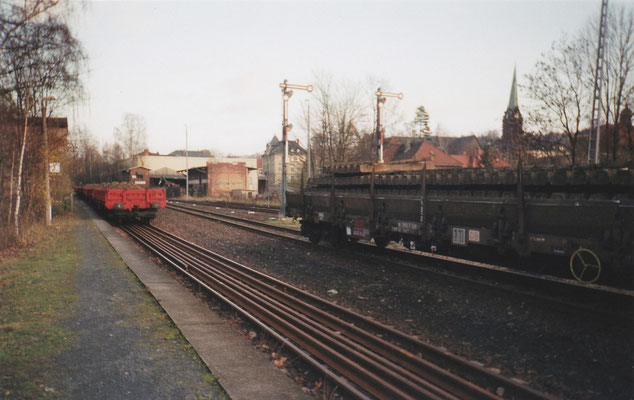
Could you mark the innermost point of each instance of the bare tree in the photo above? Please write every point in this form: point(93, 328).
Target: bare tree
point(15, 15)
point(132, 134)
point(562, 83)
point(619, 74)
point(558, 86)
point(391, 117)
point(338, 114)
point(441, 137)
point(87, 164)
point(39, 58)
point(113, 157)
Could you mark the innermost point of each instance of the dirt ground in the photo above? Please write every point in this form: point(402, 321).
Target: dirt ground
point(566, 354)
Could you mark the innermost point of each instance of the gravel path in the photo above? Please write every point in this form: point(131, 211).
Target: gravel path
point(125, 347)
point(571, 356)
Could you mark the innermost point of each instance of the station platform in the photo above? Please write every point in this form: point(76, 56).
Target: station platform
point(240, 370)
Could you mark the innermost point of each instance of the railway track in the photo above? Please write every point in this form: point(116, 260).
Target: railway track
point(255, 226)
point(364, 357)
point(238, 206)
point(565, 293)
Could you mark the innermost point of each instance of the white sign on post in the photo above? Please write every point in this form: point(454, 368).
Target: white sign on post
point(55, 168)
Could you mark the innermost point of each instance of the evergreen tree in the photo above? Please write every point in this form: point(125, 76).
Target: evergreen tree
point(421, 122)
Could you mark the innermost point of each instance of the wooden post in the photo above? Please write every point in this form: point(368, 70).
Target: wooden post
point(423, 199)
point(372, 224)
point(521, 223)
point(47, 180)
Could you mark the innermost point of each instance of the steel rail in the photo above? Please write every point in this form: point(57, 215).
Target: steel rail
point(345, 384)
point(347, 340)
point(371, 376)
point(354, 322)
point(245, 223)
point(290, 322)
point(336, 318)
point(234, 205)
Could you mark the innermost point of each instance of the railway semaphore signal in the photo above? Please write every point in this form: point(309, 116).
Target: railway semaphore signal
point(287, 92)
point(381, 97)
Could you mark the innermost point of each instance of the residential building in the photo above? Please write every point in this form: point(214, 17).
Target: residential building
point(272, 164)
point(465, 149)
point(399, 149)
point(466, 152)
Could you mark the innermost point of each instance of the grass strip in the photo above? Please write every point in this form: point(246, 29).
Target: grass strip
point(37, 291)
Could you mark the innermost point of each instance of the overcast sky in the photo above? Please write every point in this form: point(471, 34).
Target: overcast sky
point(216, 66)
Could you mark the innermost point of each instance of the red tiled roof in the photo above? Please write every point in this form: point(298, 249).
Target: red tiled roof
point(416, 149)
point(398, 148)
point(427, 151)
point(391, 145)
point(465, 160)
point(501, 164)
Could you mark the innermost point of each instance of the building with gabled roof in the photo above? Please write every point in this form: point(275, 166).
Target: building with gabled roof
point(466, 149)
point(166, 166)
point(191, 153)
point(272, 163)
point(466, 152)
point(397, 148)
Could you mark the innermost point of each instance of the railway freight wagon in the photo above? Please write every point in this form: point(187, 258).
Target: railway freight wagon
point(583, 215)
point(124, 201)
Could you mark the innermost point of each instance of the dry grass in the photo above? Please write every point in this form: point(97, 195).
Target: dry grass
point(35, 292)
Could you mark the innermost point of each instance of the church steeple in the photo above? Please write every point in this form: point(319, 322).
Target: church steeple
point(513, 104)
point(512, 122)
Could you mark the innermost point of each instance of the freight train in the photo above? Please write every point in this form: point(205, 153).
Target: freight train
point(585, 215)
point(123, 201)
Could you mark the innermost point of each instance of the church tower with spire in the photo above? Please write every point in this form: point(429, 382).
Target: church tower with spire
point(512, 122)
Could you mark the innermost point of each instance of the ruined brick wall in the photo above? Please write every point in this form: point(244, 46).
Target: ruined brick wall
point(222, 178)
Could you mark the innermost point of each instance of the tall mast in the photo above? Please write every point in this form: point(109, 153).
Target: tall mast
point(593, 145)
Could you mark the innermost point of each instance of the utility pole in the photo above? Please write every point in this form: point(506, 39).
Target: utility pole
point(287, 92)
point(47, 166)
point(308, 131)
point(381, 97)
point(593, 145)
point(186, 166)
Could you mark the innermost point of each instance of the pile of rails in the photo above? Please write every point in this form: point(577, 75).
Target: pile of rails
point(121, 201)
point(584, 214)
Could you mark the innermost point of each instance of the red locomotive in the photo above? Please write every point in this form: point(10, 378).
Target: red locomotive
point(124, 201)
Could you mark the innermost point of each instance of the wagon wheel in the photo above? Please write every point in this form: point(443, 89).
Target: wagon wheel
point(380, 241)
point(314, 235)
point(585, 265)
point(336, 237)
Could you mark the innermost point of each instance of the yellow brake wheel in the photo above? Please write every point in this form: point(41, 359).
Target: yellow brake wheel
point(585, 265)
